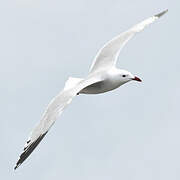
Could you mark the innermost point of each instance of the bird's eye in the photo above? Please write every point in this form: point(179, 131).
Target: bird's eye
point(123, 75)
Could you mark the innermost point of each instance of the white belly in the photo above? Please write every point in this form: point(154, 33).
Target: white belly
point(100, 87)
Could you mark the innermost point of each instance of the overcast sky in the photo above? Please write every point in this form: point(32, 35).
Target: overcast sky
point(131, 133)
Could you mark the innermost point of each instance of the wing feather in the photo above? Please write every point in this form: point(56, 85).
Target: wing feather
point(108, 54)
point(54, 109)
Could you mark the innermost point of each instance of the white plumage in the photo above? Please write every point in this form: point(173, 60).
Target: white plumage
point(103, 77)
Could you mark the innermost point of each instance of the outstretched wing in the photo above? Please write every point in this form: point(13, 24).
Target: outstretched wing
point(54, 109)
point(108, 54)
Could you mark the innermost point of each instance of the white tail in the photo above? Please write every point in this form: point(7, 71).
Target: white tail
point(71, 82)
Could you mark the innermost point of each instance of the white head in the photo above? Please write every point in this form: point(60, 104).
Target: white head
point(125, 76)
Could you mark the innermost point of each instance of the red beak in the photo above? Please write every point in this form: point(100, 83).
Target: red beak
point(137, 79)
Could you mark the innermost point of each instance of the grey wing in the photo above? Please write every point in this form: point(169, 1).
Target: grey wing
point(54, 109)
point(108, 54)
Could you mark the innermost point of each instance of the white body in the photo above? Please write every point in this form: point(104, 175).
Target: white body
point(111, 80)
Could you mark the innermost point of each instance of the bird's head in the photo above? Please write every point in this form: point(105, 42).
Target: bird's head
point(125, 76)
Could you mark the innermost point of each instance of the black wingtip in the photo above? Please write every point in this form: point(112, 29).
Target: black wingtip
point(161, 14)
point(28, 150)
point(16, 166)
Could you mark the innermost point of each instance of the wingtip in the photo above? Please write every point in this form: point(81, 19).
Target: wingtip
point(28, 150)
point(161, 14)
point(17, 165)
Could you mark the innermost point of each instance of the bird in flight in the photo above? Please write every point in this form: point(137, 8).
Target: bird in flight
point(103, 76)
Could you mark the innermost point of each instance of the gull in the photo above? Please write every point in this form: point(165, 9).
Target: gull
point(103, 76)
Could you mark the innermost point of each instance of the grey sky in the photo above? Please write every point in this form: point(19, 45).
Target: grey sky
point(131, 133)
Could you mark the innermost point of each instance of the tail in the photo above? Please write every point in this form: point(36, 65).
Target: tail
point(71, 82)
